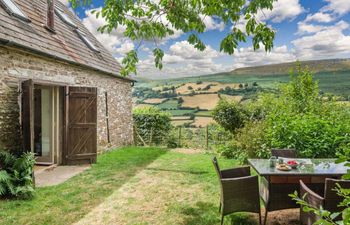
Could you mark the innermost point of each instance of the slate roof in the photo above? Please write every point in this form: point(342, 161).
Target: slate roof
point(64, 45)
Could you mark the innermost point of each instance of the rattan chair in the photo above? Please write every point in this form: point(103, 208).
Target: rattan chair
point(284, 152)
point(329, 201)
point(239, 191)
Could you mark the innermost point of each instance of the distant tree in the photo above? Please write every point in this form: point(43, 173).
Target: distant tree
point(192, 116)
point(180, 100)
point(206, 87)
point(240, 86)
point(190, 88)
point(255, 84)
point(199, 82)
point(246, 85)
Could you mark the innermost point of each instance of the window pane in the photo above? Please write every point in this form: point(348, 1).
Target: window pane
point(14, 8)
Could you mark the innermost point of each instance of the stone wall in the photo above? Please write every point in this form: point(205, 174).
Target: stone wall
point(16, 65)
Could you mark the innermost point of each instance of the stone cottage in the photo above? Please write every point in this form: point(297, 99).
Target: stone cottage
point(61, 94)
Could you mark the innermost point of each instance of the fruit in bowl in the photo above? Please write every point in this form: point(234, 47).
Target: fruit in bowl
point(293, 164)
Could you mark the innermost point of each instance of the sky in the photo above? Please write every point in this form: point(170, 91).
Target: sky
point(305, 30)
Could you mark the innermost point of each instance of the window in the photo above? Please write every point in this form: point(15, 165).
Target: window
point(14, 10)
point(64, 17)
point(87, 41)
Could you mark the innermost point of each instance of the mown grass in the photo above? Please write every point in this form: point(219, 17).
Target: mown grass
point(130, 186)
point(68, 202)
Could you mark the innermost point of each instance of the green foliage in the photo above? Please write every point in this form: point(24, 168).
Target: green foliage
point(229, 114)
point(300, 119)
point(144, 20)
point(16, 175)
point(251, 139)
point(294, 117)
point(151, 125)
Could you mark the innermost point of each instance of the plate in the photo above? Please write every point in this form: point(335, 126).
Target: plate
point(283, 168)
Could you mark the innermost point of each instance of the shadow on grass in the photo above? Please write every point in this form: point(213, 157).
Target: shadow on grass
point(205, 213)
point(178, 171)
point(70, 201)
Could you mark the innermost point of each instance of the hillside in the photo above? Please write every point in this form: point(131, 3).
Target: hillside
point(317, 66)
point(190, 100)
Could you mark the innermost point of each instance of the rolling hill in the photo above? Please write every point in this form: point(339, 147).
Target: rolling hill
point(316, 66)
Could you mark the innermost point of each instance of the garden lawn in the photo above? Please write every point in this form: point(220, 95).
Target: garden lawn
point(130, 186)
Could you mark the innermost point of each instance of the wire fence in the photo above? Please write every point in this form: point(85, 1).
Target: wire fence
point(207, 138)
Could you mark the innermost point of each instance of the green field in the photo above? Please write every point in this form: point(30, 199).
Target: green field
point(169, 104)
point(333, 82)
point(181, 112)
point(203, 113)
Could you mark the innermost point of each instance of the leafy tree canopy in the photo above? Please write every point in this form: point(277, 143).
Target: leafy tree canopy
point(154, 20)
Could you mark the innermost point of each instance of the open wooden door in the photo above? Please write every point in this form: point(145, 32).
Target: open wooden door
point(80, 125)
point(27, 116)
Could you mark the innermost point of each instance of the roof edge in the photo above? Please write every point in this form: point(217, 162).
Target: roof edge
point(5, 42)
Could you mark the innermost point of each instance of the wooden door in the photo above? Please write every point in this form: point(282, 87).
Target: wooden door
point(80, 125)
point(27, 116)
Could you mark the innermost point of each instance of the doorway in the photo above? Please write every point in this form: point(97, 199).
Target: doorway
point(47, 124)
point(59, 123)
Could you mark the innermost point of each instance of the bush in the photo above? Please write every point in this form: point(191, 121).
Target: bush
point(151, 125)
point(301, 120)
point(294, 117)
point(229, 114)
point(16, 175)
point(249, 142)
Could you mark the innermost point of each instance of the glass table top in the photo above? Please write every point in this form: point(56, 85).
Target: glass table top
point(305, 167)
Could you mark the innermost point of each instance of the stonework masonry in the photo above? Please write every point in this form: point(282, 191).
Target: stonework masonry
point(17, 65)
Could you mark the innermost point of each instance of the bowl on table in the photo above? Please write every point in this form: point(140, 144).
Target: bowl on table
point(293, 164)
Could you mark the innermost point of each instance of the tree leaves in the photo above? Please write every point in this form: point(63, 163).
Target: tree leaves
point(153, 21)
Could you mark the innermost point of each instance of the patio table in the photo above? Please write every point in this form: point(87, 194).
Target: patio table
point(276, 185)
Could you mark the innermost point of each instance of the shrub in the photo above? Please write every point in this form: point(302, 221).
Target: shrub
point(151, 125)
point(249, 142)
point(294, 117)
point(16, 175)
point(229, 114)
point(300, 119)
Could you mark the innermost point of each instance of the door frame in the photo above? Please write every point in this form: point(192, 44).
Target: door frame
point(27, 124)
point(61, 156)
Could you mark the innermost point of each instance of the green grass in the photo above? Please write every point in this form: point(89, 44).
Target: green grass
point(204, 113)
point(68, 202)
point(180, 112)
point(169, 104)
point(131, 186)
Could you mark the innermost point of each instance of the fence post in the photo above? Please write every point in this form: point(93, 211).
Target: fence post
point(207, 137)
point(179, 141)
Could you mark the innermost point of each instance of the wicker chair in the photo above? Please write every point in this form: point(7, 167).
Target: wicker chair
point(239, 191)
point(329, 201)
point(287, 153)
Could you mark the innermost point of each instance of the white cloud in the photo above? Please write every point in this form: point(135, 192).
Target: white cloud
point(305, 28)
point(339, 7)
point(320, 17)
point(183, 59)
point(212, 24)
point(282, 10)
point(115, 42)
point(330, 42)
point(248, 57)
point(187, 51)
